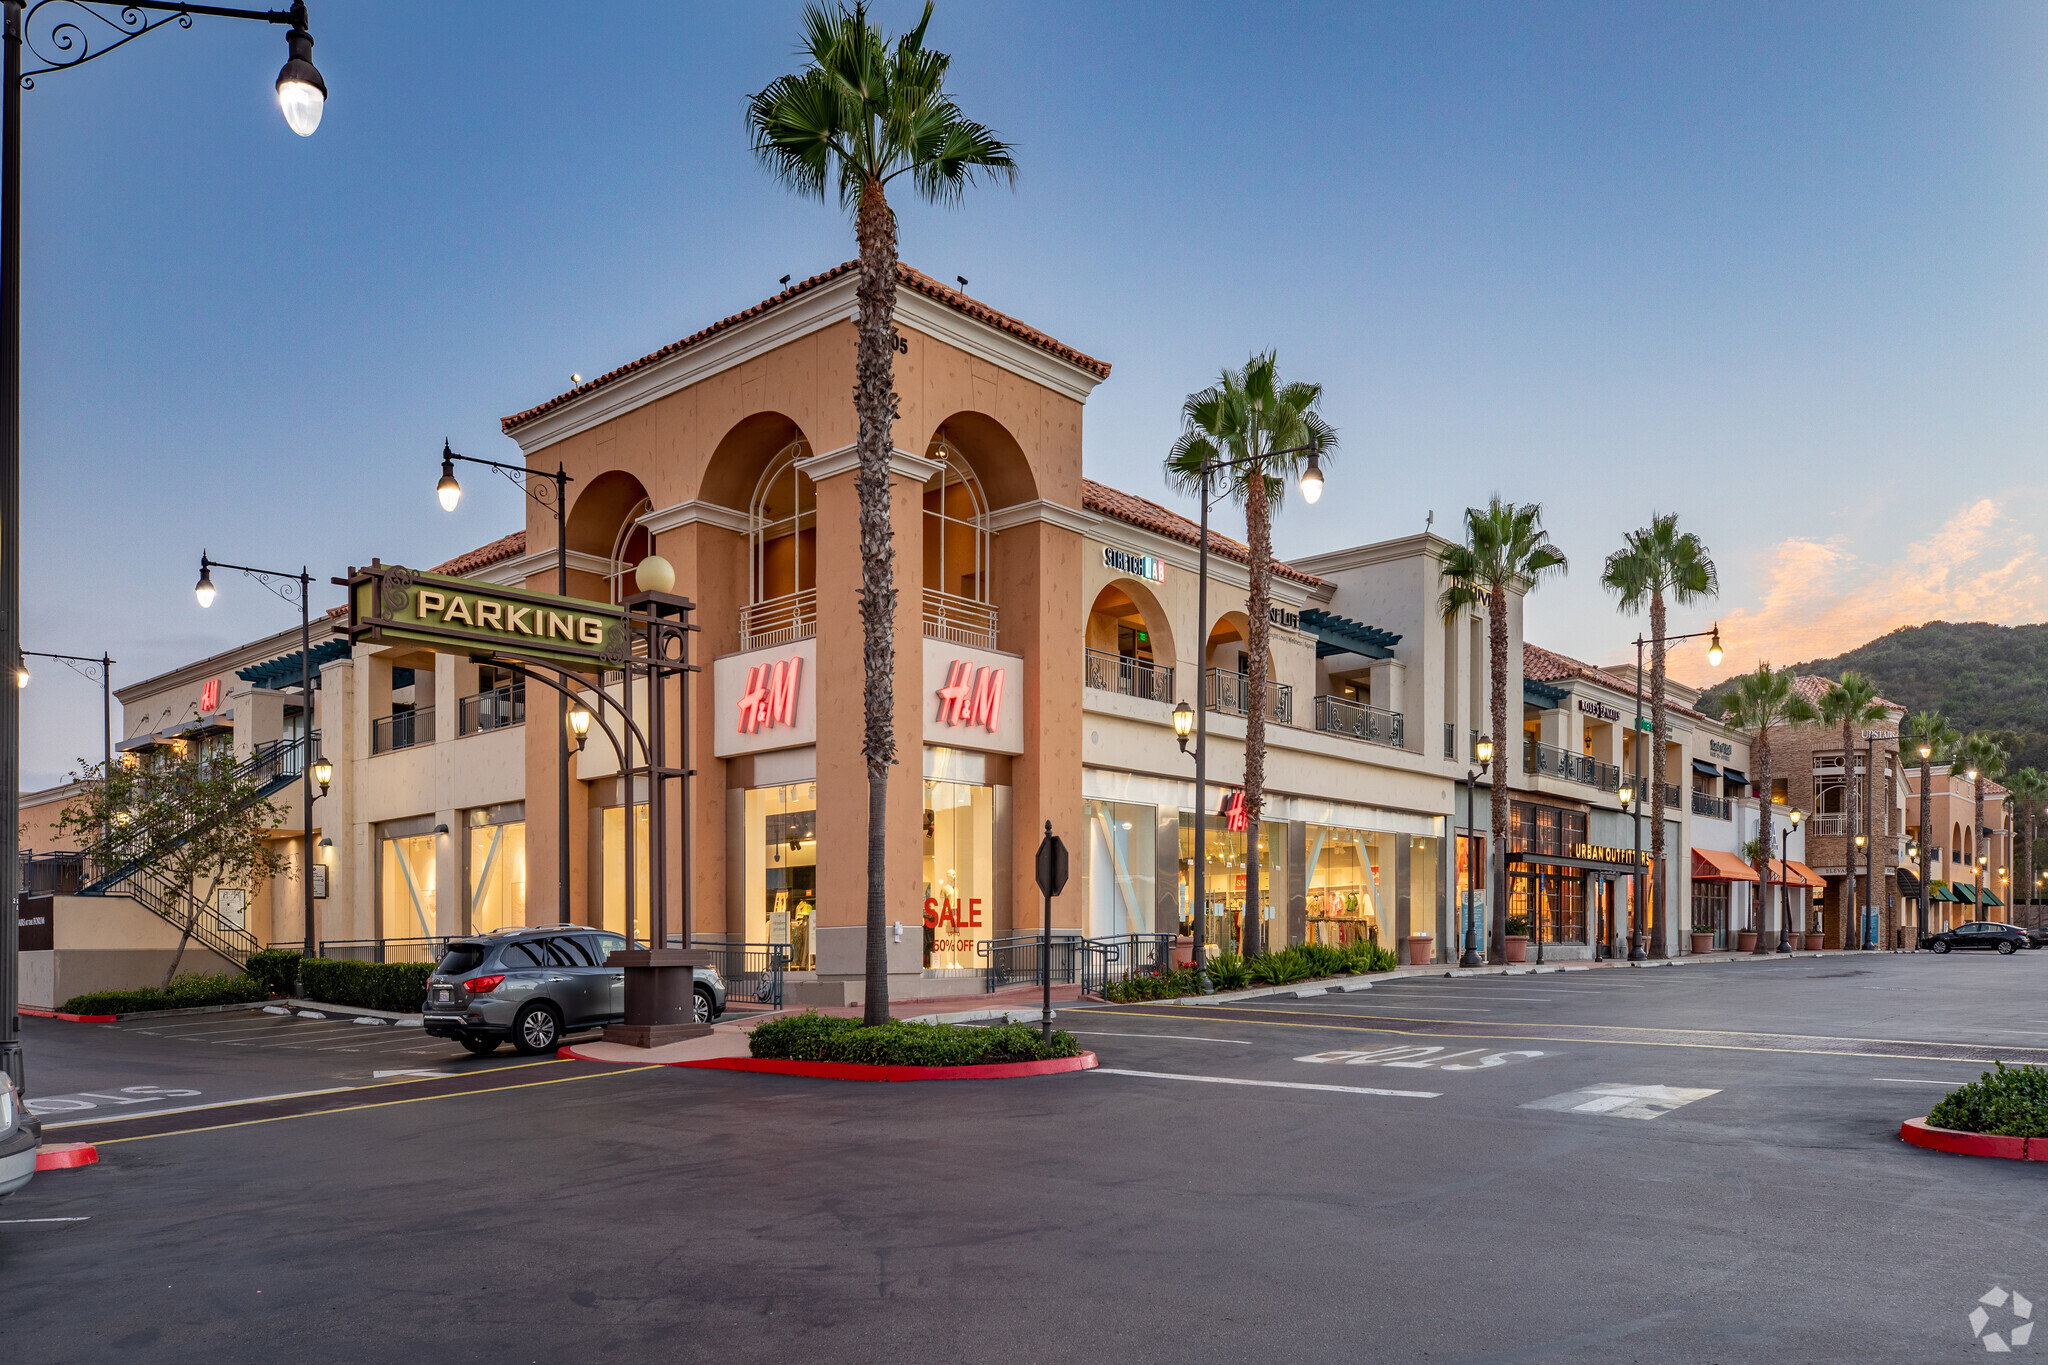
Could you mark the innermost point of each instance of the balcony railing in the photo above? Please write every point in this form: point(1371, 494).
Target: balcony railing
point(1337, 716)
point(1550, 761)
point(1829, 826)
point(1230, 693)
point(1717, 807)
point(959, 620)
point(779, 620)
point(493, 710)
point(1132, 677)
point(403, 730)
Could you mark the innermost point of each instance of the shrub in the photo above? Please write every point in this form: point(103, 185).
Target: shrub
point(1518, 927)
point(187, 992)
point(2009, 1102)
point(812, 1037)
point(1281, 968)
point(1155, 985)
point(1227, 972)
point(276, 969)
point(397, 986)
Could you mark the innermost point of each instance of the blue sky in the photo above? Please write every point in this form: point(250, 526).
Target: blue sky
point(1777, 267)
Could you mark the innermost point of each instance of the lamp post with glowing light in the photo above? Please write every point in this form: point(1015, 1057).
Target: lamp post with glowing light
point(1639, 918)
point(100, 670)
point(73, 34)
point(549, 490)
point(1472, 956)
point(1792, 819)
point(1183, 726)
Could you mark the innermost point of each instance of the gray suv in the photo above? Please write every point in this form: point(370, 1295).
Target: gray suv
point(530, 986)
point(20, 1135)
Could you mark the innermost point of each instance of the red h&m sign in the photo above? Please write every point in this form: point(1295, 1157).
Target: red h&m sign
point(209, 695)
point(1233, 813)
point(770, 696)
point(972, 696)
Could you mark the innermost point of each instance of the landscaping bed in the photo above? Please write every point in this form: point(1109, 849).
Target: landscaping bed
point(399, 987)
point(813, 1037)
point(1229, 972)
point(2003, 1114)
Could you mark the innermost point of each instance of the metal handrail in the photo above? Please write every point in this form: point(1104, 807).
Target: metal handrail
point(402, 730)
point(1550, 760)
point(1129, 676)
point(1341, 716)
point(1719, 807)
point(1120, 957)
point(959, 620)
point(1828, 826)
point(380, 949)
point(779, 620)
point(1230, 693)
point(493, 710)
point(1015, 961)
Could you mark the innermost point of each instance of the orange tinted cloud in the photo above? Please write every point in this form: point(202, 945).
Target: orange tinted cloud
point(1821, 599)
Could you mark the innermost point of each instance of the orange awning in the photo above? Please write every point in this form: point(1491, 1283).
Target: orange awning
point(1712, 865)
point(1798, 873)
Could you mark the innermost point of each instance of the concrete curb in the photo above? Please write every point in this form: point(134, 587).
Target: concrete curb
point(1921, 1133)
point(65, 1156)
point(351, 1011)
point(854, 1071)
point(1009, 1014)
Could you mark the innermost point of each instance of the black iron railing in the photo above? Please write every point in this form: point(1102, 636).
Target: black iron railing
point(1230, 693)
point(1549, 760)
point(1015, 961)
point(380, 949)
point(753, 972)
point(1338, 716)
point(1139, 678)
point(493, 710)
point(402, 730)
point(1118, 958)
point(1718, 807)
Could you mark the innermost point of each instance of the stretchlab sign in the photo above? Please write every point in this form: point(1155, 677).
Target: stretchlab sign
point(389, 604)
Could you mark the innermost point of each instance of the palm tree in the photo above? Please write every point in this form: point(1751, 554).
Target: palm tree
point(1761, 702)
point(1652, 564)
point(1935, 740)
point(1249, 415)
point(861, 114)
point(1986, 758)
point(1506, 549)
point(2028, 787)
point(1851, 703)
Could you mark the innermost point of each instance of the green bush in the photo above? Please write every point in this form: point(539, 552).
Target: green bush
point(1518, 927)
point(397, 986)
point(1284, 967)
point(1302, 962)
point(1228, 972)
point(187, 992)
point(277, 969)
point(2010, 1102)
point(812, 1037)
point(1154, 986)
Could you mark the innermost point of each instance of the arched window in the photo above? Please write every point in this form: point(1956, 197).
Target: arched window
point(631, 545)
point(782, 553)
point(956, 563)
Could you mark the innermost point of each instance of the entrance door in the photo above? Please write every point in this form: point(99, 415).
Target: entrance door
point(1603, 902)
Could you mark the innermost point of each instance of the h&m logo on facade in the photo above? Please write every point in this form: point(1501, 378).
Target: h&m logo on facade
point(1232, 812)
point(771, 695)
point(972, 696)
point(209, 695)
point(1138, 566)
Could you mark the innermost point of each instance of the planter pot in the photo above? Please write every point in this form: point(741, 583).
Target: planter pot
point(1816, 942)
point(1184, 951)
point(1704, 943)
point(1420, 948)
point(1516, 946)
point(1745, 940)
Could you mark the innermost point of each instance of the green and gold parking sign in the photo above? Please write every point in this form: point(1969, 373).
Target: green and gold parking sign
point(391, 604)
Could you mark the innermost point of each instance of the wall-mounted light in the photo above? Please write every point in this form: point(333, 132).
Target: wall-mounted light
point(440, 829)
point(326, 842)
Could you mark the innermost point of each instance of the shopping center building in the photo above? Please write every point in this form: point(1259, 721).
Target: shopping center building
point(1046, 625)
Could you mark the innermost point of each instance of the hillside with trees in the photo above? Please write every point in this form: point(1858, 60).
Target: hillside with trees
point(1981, 676)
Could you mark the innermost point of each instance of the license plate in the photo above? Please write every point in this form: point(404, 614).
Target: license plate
point(442, 994)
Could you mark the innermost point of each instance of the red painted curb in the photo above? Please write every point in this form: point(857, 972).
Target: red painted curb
point(71, 1018)
point(1923, 1134)
point(859, 1071)
point(64, 1156)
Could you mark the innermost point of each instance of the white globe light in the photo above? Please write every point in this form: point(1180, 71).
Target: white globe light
point(302, 105)
point(655, 574)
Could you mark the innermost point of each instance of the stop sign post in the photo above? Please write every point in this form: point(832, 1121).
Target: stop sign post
point(1052, 879)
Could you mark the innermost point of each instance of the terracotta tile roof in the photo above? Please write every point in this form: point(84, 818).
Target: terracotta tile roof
point(1813, 687)
point(906, 277)
point(499, 550)
point(1548, 666)
point(1150, 516)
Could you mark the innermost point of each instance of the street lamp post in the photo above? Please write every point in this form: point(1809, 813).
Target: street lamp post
point(1639, 919)
point(1471, 956)
point(72, 40)
point(101, 671)
point(292, 587)
point(1311, 489)
point(549, 490)
point(1626, 794)
point(1792, 819)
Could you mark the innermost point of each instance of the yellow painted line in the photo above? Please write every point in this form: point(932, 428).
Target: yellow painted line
point(1546, 1038)
point(380, 1104)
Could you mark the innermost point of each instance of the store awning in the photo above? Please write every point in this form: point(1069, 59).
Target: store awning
point(1796, 873)
point(1699, 765)
point(1962, 893)
point(1909, 883)
point(1938, 891)
point(1989, 897)
point(1712, 865)
point(1732, 774)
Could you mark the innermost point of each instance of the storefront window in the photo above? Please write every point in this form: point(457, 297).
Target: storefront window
point(409, 887)
point(1118, 875)
point(497, 876)
point(959, 873)
point(614, 818)
point(782, 870)
point(1471, 888)
point(1345, 870)
point(1552, 900)
point(1224, 896)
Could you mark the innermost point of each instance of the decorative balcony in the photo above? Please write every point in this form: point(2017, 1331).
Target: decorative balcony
point(402, 730)
point(1547, 760)
point(1714, 807)
point(1828, 826)
point(493, 710)
point(1337, 716)
point(1107, 672)
point(779, 620)
point(959, 620)
point(1230, 693)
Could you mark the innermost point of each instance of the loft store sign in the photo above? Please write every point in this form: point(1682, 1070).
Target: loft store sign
point(391, 604)
point(1599, 710)
point(1136, 565)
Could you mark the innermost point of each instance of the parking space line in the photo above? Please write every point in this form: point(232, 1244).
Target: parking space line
point(1270, 1085)
point(1170, 1037)
point(195, 1108)
point(1913, 1080)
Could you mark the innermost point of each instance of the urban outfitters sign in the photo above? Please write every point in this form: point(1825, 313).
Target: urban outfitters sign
point(390, 604)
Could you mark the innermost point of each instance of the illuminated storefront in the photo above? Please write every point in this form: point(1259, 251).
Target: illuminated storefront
point(781, 836)
point(497, 867)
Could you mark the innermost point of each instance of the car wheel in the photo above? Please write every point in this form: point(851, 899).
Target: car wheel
point(1939, 945)
point(2005, 947)
point(702, 1012)
point(538, 1029)
point(482, 1045)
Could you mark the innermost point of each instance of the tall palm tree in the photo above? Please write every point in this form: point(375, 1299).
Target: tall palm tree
point(2027, 787)
point(1653, 564)
point(1250, 415)
point(1934, 740)
point(1986, 758)
point(1506, 549)
point(861, 114)
point(1762, 702)
point(1852, 704)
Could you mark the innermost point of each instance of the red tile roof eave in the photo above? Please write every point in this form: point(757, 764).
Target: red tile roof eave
point(1147, 515)
point(906, 276)
point(1557, 667)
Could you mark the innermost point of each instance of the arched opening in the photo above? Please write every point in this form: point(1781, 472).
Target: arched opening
point(1004, 469)
point(632, 544)
point(956, 560)
point(782, 553)
point(1226, 662)
point(602, 524)
point(1128, 650)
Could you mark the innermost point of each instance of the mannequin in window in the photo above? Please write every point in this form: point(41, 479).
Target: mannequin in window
point(800, 936)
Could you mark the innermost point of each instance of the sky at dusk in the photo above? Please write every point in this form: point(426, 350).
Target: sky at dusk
point(1776, 267)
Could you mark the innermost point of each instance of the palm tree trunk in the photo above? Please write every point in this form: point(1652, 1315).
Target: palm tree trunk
point(1659, 874)
point(1926, 816)
point(1505, 752)
point(1849, 835)
point(874, 399)
point(1977, 845)
point(1760, 752)
point(1258, 522)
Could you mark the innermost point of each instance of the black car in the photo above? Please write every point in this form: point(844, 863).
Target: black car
point(2005, 938)
point(2037, 937)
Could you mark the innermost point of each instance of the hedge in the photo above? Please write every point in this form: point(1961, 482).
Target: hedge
point(276, 968)
point(2009, 1102)
point(1229, 972)
point(187, 992)
point(812, 1037)
point(397, 986)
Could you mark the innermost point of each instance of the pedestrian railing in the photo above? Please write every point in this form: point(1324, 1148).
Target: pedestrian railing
point(1138, 678)
point(1549, 760)
point(1018, 961)
point(1338, 716)
point(779, 620)
point(378, 949)
point(1716, 807)
point(402, 730)
point(1123, 956)
point(492, 710)
point(1230, 693)
point(753, 972)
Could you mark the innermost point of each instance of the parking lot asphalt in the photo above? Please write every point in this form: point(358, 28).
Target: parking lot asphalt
point(1612, 1165)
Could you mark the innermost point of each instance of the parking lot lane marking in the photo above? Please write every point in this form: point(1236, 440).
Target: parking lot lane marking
point(1610, 1099)
point(1271, 1085)
point(1912, 1080)
point(86, 1219)
point(386, 1104)
point(195, 1108)
point(1170, 1037)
